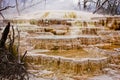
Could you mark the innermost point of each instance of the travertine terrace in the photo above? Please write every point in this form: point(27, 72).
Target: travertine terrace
point(68, 42)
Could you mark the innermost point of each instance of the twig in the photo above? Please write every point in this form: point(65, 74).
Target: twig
point(11, 40)
point(13, 35)
point(2, 15)
point(19, 61)
point(33, 5)
point(23, 56)
point(10, 46)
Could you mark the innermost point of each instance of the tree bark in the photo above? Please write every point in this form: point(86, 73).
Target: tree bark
point(4, 35)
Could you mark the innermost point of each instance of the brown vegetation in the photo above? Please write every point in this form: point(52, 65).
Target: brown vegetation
point(11, 66)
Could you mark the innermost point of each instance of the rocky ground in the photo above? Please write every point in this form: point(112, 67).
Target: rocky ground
point(112, 72)
point(109, 74)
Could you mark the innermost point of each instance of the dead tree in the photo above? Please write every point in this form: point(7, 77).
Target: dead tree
point(10, 67)
point(84, 4)
point(98, 3)
point(79, 5)
point(5, 8)
point(100, 6)
point(4, 36)
point(115, 6)
point(118, 12)
point(17, 8)
point(24, 3)
point(111, 6)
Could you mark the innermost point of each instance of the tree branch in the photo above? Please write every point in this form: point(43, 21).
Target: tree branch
point(6, 8)
point(100, 6)
point(32, 5)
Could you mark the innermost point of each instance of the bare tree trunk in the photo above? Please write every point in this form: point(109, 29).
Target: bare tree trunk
point(4, 36)
point(24, 3)
point(17, 8)
point(84, 4)
point(79, 5)
point(116, 10)
point(113, 8)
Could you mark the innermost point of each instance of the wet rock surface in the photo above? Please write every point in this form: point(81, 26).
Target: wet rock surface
point(92, 40)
